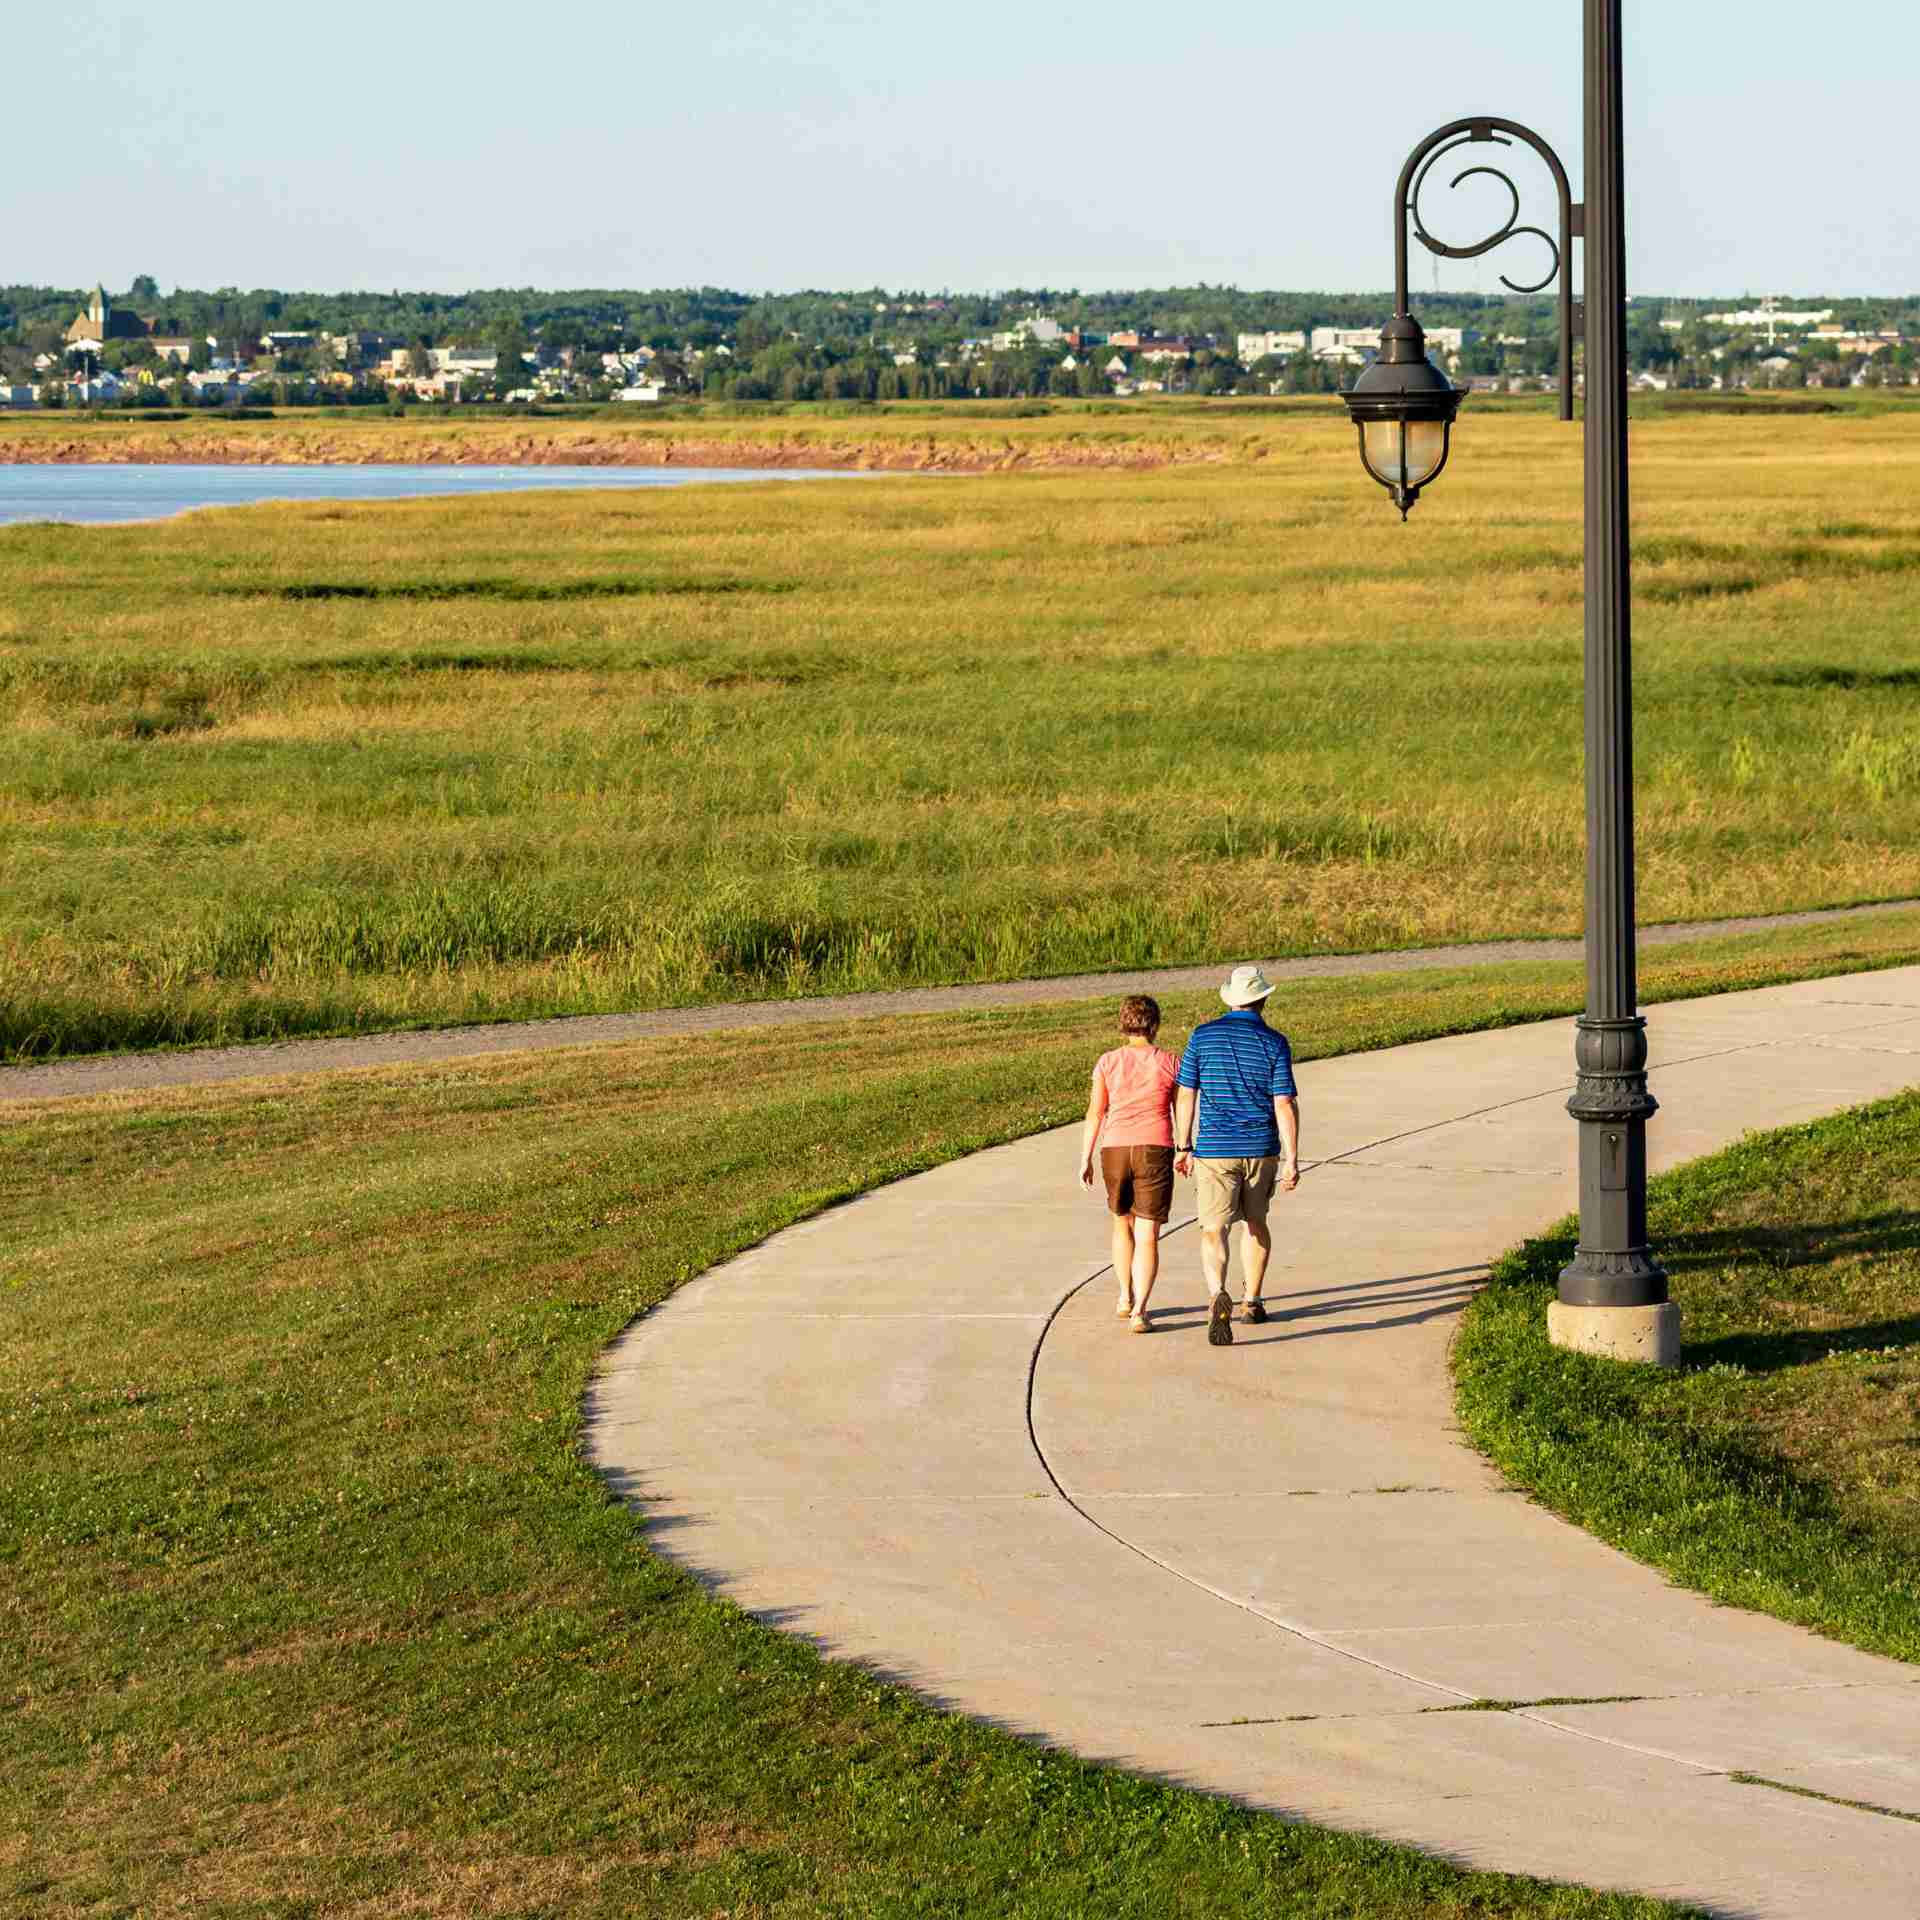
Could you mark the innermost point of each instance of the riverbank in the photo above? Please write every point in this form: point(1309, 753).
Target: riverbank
point(879, 443)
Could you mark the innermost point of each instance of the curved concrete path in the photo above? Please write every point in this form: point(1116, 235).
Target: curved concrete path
point(911, 1430)
point(76, 1079)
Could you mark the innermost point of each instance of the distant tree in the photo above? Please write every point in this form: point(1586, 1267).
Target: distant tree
point(509, 340)
point(420, 359)
point(144, 291)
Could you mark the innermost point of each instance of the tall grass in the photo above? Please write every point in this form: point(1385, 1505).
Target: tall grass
point(280, 768)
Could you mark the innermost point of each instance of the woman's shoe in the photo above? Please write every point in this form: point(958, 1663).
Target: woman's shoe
point(1139, 1323)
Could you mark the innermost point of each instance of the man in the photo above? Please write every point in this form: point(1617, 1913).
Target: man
point(1237, 1073)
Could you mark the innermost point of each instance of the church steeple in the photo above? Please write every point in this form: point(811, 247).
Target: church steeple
point(98, 307)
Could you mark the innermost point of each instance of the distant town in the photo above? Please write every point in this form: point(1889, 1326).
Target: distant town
point(228, 349)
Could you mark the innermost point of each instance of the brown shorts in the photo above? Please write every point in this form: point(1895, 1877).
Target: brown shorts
point(1139, 1181)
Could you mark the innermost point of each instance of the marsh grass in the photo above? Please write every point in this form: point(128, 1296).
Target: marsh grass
point(301, 768)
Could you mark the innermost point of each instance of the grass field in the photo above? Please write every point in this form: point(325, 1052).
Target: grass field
point(302, 769)
point(1780, 1468)
point(310, 1607)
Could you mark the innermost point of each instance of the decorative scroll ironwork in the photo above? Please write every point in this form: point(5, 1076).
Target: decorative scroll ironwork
point(1406, 209)
point(1511, 229)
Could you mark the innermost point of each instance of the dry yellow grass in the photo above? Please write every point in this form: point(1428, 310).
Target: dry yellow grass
point(323, 766)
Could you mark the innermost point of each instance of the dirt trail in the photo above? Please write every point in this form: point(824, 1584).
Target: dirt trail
point(211, 1066)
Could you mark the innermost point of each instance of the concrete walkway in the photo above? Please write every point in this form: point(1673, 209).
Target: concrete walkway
point(912, 1430)
point(77, 1079)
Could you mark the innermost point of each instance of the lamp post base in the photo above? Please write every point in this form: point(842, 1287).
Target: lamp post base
point(1649, 1336)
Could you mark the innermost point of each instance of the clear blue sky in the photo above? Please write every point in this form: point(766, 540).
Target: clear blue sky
point(781, 143)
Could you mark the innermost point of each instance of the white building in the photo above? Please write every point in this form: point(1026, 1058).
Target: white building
point(1345, 343)
point(1269, 346)
point(646, 390)
point(465, 360)
point(1770, 317)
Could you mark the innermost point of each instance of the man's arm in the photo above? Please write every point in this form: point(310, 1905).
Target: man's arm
point(1184, 1104)
point(1286, 1114)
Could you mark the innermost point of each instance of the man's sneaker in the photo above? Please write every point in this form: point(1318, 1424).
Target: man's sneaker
point(1254, 1313)
point(1220, 1322)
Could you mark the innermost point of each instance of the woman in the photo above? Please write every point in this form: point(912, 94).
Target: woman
point(1130, 1119)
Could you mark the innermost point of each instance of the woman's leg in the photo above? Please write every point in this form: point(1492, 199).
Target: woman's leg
point(1123, 1260)
point(1146, 1261)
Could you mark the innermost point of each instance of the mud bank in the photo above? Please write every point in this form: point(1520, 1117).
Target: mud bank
point(109, 444)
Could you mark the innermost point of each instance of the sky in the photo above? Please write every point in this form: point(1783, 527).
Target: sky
point(840, 143)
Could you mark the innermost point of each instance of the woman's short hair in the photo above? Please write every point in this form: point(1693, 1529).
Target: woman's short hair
point(1140, 1013)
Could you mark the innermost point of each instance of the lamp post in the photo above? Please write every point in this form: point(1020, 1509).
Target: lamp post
point(1613, 1295)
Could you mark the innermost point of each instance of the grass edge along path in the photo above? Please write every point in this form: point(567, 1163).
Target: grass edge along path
point(312, 1604)
point(1619, 1451)
point(1769, 951)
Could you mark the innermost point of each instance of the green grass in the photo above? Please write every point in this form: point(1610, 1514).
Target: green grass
point(332, 767)
point(311, 1607)
point(1779, 1468)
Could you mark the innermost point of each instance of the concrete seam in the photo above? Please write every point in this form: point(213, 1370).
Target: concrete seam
point(1120, 1540)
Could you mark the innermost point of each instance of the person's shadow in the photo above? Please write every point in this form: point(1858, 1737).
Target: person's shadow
point(1360, 1306)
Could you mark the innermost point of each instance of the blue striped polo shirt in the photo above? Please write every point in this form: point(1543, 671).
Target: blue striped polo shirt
point(1239, 1065)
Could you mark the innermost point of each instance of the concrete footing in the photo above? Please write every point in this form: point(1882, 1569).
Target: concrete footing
point(1649, 1335)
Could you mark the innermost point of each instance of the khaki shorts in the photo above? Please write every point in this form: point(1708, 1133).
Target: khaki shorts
point(1230, 1190)
point(1139, 1181)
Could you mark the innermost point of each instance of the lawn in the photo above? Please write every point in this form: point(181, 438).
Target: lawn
point(311, 1607)
point(1779, 1468)
point(332, 767)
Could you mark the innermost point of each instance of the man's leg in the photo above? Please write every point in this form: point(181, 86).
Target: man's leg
point(1216, 1184)
point(1254, 1252)
point(1213, 1258)
point(1257, 1245)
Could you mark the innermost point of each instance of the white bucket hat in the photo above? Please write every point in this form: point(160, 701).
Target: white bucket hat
point(1244, 986)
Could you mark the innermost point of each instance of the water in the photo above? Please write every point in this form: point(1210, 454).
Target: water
point(98, 495)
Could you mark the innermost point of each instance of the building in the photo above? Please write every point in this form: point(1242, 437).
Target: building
point(362, 347)
point(1270, 346)
point(100, 321)
point(463, 362)
point(1769, 317)
point(1345, 343)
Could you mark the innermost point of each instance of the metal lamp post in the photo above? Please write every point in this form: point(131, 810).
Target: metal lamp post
point(1613, 1296)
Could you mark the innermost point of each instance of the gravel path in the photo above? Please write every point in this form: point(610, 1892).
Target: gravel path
point(210, 1066)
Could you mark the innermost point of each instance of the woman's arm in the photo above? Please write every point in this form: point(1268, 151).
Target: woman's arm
point(1096, 1112)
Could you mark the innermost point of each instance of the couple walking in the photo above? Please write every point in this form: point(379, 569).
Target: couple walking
point(1227, 1112)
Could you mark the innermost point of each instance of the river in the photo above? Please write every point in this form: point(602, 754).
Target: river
point(102, 494)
